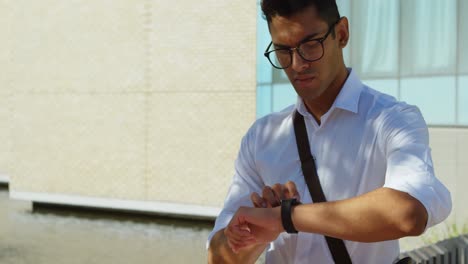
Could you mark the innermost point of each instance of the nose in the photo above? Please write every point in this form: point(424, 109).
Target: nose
point(298, 64)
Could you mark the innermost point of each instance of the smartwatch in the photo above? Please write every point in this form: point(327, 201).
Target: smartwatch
point(286, 219)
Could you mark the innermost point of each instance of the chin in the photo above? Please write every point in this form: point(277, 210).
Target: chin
point(309, 93)
point(311, 97)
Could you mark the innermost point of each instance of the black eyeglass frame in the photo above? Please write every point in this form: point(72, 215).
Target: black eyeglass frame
point(291, 50)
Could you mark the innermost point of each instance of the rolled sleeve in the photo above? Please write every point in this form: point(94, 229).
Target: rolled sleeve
point(245, 181)
point(409, 163)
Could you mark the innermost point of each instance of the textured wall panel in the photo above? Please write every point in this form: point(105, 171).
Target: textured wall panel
point(443, 142)
point(461, 174)
point(461, 197)
point(5, 45)
point(449, 152)
point(206, 45)
point(5, 135)
point(55, 45)
point(193, 142)
point(90, 145)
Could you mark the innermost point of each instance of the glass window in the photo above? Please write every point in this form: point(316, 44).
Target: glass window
point(428, 37)
point(384, 85)
point(344, 7)
point(463, 37)
point(463, 100)
point(263, 100)
point(375, 44)
point(435, 96)
point(283, 96)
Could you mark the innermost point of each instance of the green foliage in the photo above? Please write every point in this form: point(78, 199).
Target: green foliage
point(445, 231)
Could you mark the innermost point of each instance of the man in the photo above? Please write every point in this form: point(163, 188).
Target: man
point(371, 153)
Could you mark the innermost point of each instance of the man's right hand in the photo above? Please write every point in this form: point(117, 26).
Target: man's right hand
point(272, 196)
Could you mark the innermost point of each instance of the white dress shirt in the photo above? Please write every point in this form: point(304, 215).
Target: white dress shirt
point(366, 140)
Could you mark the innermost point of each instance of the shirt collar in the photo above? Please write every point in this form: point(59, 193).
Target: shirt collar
point(347, 99)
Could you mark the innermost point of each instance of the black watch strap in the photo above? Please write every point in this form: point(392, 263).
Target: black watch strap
point(286, 206)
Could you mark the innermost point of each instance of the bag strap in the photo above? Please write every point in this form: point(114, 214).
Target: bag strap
point(337, 247)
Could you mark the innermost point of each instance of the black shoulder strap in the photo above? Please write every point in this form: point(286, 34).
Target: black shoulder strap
point(336, 246)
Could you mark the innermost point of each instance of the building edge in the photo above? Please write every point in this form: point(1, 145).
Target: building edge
point(187, 211)
point(4, 179)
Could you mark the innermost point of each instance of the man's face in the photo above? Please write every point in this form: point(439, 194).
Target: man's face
point(309, 79)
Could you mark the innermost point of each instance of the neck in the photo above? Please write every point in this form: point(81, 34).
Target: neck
point(317, 107)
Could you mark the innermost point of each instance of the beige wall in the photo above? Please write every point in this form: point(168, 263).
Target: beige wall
point(450, 155)
point(133, 100)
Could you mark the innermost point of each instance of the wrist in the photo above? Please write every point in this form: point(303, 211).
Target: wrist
point(277, 217)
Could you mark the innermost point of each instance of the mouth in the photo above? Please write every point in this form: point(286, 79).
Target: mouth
point(304, 80)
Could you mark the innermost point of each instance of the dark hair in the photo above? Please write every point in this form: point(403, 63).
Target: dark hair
point(327, 9)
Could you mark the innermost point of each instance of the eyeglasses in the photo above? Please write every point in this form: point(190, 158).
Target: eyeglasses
point(310, 50)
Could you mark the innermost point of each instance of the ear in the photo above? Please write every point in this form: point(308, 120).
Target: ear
point(342, 32)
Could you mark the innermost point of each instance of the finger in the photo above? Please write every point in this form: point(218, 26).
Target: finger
point(257, 200)
point(278, 191)
point(242, 241)
point(236, 247)
point(236, 243)
point(292, 192)
point(244, 229)
point(269, 197)
point(237, 232)
point(246, 243)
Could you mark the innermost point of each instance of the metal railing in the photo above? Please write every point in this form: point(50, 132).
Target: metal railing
point(450, 251)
